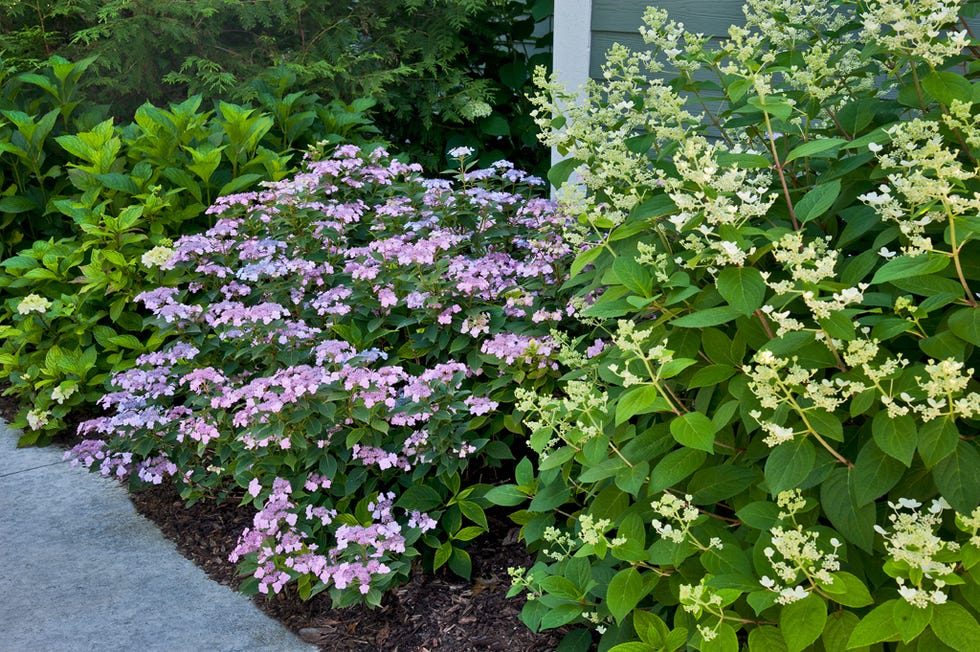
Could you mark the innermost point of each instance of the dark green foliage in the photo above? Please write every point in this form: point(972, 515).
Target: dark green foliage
point(445, 73)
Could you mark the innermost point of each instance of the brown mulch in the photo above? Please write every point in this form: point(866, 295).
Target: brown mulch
point(431, 613)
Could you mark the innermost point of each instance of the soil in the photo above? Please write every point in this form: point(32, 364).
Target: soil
point(431, 613)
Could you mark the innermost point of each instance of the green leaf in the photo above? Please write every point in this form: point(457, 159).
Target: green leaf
point(674, 467)
point(838, 630)
point(711, 375)
point(958, 477)
point(895, 436)
point(848, 590)
point(910, 620)
point(773, 105)
point(639, 400)
point(789, 464)
point(584, 259)
point(937, 439)
point(874, 474)
point(707, 317)
point(742, 287)
point(513, 74)
point(420, 497)
point(818, 201)
point(505, 495)
point(624, 592)
point(875, 627)
point(16, 204)
point(910, 266)
point(495, 125)
point(948, 86)
point(633, 275)
point(766, 639)
point(854, 522)
point(801, 622)
point(559, 172)
point(965, 324)
point(631, 478)
point(694, 430)
point(725, 640)
point(814, 147)
point(716, 483)
point(443, 553)
point(956, 627)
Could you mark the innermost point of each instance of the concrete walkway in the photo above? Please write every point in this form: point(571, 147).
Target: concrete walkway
point(81, 570)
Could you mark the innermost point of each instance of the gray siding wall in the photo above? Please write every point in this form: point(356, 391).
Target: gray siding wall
point(618, 21)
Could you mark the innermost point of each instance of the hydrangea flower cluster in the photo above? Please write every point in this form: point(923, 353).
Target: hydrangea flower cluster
point(332, 334)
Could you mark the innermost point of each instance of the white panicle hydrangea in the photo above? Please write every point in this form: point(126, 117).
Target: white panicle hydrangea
point(944, 384)
point(913, 545)
point(157, 257)
point(915, 28)
point(33, 303)
point(928, 175)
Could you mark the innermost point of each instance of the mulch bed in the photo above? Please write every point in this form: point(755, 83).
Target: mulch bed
point(431, 613)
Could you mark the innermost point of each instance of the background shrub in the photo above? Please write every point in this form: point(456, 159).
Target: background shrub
point(445, 73)
point(82, 202)
point(777, 446)
point(343, 348)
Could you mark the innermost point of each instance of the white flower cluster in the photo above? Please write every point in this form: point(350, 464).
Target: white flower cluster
point(699, 599)
point(915, 28)
point(779, 381)
point(944, 384)
point(799, 558)
point(685, 515)
point(157, 257)
point(37, 419)
point(913, 545)
point(33, 303)
point(929, 175)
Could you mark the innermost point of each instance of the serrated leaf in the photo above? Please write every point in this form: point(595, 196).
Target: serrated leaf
point(506, 495)
point(559, 172)
point(707, 317)
point(956, 627)
point(947, 86)
point(639, 400)
point(801, 622)
point(958, 477)
point(937, 439)
point(624, 592)
point(674, 467)
point(905, 267)
point(855, 523)
point(895, 436)
point(874, 474)
point(742, 287)
point(789, 464)
point(875, 627)
point(818, 201)
point(910, 620)
point(694, 430)
point(813, 148)
point(965, 324)
point(633, 275)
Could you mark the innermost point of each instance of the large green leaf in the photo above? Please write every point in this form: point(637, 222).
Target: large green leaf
point(742, 287)
point(958, 477)
point(909, 266)
point(802, 622)
point(694, 430)
point(854, 522)
point(874, 474)
point(965, 324)
point(818, 201)
point(789, 464)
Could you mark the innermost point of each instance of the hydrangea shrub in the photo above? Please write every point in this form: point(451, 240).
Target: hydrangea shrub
point(342, 346)
point(776, 448)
